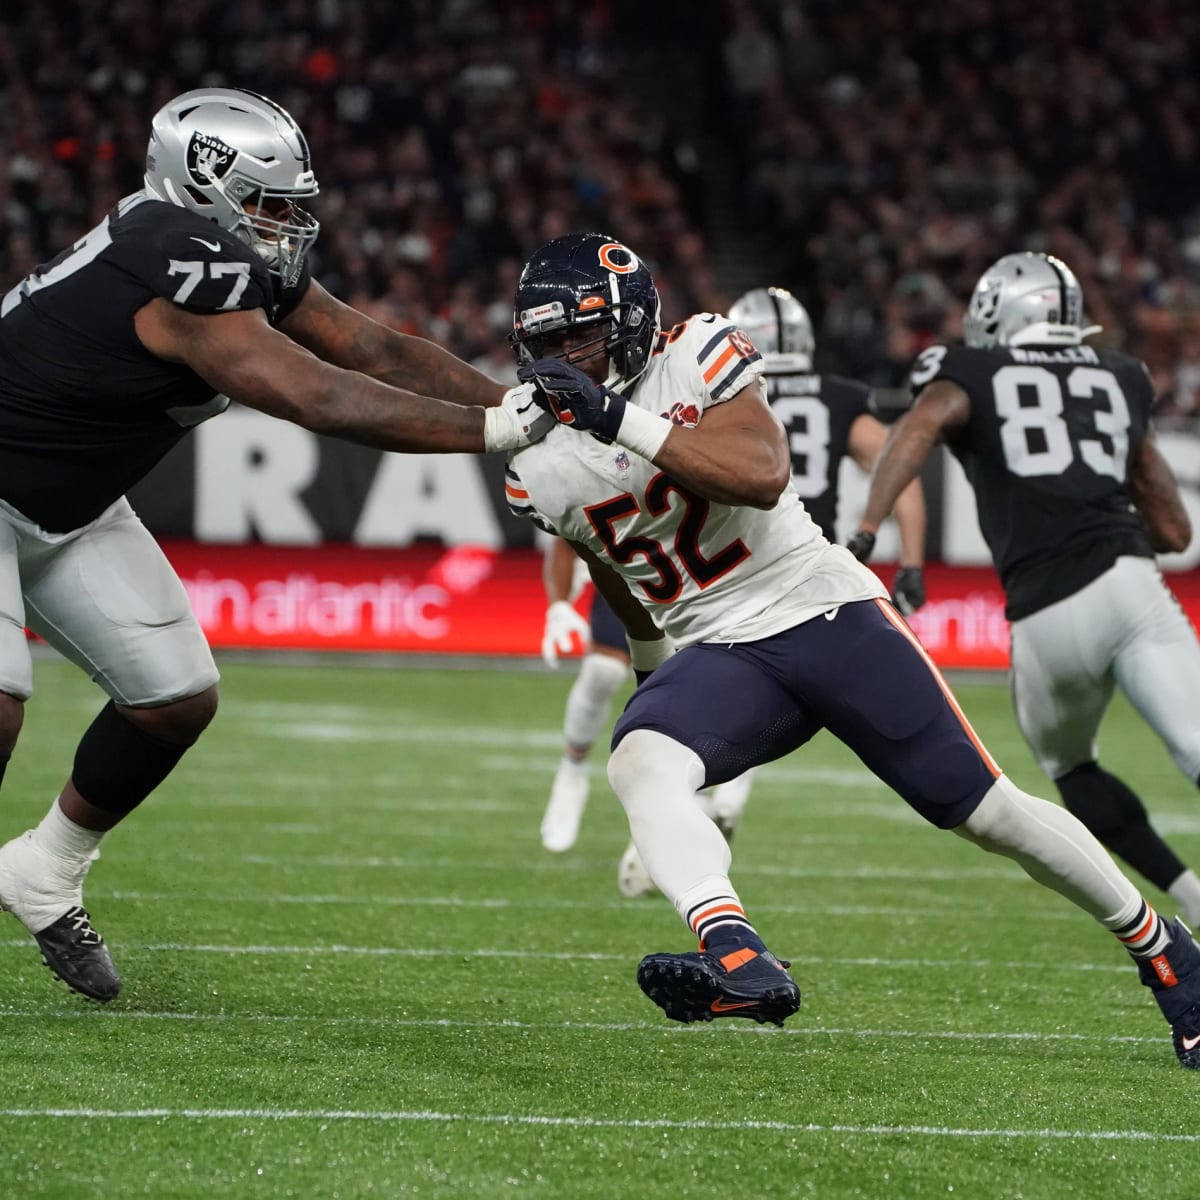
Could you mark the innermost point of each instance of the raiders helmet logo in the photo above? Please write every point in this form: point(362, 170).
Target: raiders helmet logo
point(208, 158)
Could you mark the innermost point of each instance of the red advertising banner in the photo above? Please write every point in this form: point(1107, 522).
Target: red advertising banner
point(474, 600)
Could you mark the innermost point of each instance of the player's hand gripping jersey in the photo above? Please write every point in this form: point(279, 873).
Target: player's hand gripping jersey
point(74, 441)
point(705, 571)
point(1046, 448)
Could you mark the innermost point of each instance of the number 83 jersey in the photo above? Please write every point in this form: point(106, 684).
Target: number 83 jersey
point(85, 409)
point(705, 571)
point(1046, 449)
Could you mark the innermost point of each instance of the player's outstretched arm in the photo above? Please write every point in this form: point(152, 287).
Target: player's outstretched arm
point(347, 338)
point(238, 353)
point(866, 442)
point(1155, 494)
point(940, 409)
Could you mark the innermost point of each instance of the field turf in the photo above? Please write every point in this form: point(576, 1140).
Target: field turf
point(351, 971)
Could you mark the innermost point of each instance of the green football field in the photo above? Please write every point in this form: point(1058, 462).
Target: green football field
point(351, 971)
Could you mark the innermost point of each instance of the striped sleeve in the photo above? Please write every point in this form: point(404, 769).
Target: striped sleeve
point(517, 494)
point(728, 361)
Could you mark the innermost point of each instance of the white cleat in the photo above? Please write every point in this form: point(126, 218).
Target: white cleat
point(632, 878)
point(564, 811)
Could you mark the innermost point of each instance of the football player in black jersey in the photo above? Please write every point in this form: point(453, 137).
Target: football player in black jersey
point(192, 292)
point(1074, 499)
point(827, 418)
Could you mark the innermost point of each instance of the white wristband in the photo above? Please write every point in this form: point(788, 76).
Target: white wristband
point(501, 429)
point(645, 656)
point(643, 432)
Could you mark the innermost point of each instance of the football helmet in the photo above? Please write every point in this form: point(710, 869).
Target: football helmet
point(587, 279)
point(1026, 300)
point(779, 326)
point(240, 160)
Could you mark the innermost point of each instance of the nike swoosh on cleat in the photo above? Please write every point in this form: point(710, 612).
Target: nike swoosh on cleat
point(719, 1005)
point(213, 246)
point(1188, 1043)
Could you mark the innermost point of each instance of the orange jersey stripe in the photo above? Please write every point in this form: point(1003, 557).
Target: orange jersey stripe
point(898, 621)
point(515, 493)
point(712, 371)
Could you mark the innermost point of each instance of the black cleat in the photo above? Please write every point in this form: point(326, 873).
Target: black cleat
point(76, 953)
point(1174, 977)
point(700, 986)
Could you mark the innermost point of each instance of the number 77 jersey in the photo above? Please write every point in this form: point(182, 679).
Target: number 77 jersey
point(704, 571)
point(1047, 447)
point(85, 409)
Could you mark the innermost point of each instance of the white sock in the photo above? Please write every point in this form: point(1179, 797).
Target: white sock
point(1185, 891)
point(59, 836)
point(590, 699)
point(1054, 848)
point(656, 779)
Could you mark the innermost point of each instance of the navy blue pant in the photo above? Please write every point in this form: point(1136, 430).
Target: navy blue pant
point(607, 629)
point(862, 675)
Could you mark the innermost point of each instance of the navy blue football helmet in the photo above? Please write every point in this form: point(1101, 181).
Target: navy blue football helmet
point(586, 279)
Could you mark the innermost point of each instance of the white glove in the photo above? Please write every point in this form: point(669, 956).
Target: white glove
point(563, 626)
point(517, 421)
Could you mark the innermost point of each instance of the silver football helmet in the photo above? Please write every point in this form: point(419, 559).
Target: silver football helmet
point(778, 326)
point(240, 160)
point(1026, 300)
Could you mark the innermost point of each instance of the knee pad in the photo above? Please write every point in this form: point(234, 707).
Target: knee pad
point(117, 764)
point(590, 699)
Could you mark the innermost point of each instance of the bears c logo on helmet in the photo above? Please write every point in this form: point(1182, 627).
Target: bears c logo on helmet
point(618, 258)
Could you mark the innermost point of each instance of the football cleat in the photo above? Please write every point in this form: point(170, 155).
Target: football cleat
point(77, 955)
point(700, 986)
point(564, 810)
point(633, 880)
point(46, 896)
point(1174, 977)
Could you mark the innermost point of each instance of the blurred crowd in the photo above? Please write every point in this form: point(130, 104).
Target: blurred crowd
point(873, 156)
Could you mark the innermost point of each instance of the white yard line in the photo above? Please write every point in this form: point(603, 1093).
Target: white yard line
point(922, 964)
point(872, 1131)
point(656, 1027)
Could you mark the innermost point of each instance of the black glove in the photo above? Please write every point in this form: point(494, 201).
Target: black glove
point(861, 544)
point(574, 399)
point(908, 590)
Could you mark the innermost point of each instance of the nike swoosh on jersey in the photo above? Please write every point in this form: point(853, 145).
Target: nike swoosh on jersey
point(1190, 1043)
point(213, 246)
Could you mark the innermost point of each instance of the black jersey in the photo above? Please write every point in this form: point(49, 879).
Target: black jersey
point(1046, 449)
point(817, 412)
point(85, 409)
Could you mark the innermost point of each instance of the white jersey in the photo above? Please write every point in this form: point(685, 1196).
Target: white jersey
point(706, 572)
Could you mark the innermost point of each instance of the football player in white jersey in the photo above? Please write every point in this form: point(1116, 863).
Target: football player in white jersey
point(681, 503)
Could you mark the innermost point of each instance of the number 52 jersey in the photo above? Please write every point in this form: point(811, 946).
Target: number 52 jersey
point(704, 571)
point(1046, 449)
